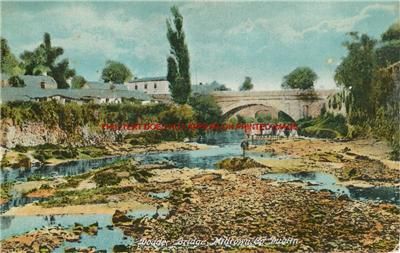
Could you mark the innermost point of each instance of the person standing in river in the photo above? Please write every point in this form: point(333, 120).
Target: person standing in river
point(244, 145)
point(287, 130)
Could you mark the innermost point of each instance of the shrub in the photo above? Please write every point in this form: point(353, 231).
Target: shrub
point(324, 126)
point(235, 164)
point(16, 81)
point(106, 178)
point(206, 109)
point(67, 153)
point(20, 148)
point(23, 162)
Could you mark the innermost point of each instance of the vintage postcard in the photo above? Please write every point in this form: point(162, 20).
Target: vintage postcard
point(200, 126)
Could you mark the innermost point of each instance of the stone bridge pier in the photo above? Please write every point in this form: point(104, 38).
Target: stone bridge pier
point(295, 103)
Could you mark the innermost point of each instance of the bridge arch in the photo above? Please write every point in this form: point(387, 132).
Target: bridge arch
point(257, 107)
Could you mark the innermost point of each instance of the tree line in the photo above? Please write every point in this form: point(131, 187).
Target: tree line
point(45, 60)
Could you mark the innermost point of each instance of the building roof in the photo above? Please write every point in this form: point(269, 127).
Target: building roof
point(206, 88)
point(104, 86)
point(35, 81)
point(27, 93)
point(149, 79)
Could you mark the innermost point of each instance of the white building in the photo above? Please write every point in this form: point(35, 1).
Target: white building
point(151, 85)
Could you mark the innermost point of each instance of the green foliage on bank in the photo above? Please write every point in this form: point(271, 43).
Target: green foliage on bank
point(71, 116)
point(324, 126)
point(371, 95)
point(106, 178)
point(206, 109)
point(261, 118)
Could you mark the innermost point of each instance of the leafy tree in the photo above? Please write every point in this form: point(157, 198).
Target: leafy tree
point(178, 62)
point(78, 82)
point(116, 72)
point(181, 114)
point(300, 78)
point(16, 81)
point(42, 61)
point(9, 63)
point(177, 115)
point(372, 101)
point(247, 84)
point(388, 52)
point(206, 109)
point(356, 72)
point(393, 33)
point(61, 72)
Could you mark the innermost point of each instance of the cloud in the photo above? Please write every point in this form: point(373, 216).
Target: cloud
point(286, 32)
point(90, 44)
point(348, 24)
point(111, 33)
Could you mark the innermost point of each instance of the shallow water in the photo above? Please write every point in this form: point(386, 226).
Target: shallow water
point(224, 145)
point(325, 181)
point(105, 239)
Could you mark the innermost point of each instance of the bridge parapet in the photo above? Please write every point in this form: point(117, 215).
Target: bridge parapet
point(282, 93)
point(295, 103)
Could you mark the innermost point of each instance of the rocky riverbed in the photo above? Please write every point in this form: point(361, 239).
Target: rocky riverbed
point(230, 208)
point(360, 162)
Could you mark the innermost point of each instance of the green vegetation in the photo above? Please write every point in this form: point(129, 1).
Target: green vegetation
point(81, 197)
point(71, 116)
point(370, 95)
point(42, 60)
point(78, 82)
point(116, 72)
point(262, 118)
point(48, 151)
point(247, 84)
point(9, 63)
point(324, 126)
point(16, 81)
point(5, 191)
point(178, 115)
point(206, 109)
point(107, 181)
point(178, 61)
point(21, 161)
point(235, 164)
point(388, 52)
point(141, 175)
point(152, 137)
point(301, 78)
point(106, 178)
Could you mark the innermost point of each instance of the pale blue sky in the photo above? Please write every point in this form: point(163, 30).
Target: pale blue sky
point(227, 40)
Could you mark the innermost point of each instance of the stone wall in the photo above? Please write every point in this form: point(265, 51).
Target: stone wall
point(32, 134)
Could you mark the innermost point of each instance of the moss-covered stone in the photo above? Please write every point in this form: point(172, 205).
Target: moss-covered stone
point(236, 164)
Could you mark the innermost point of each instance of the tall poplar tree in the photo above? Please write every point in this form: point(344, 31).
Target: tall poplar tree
point(178, 61)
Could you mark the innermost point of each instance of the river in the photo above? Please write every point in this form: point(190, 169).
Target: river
point(221, 145)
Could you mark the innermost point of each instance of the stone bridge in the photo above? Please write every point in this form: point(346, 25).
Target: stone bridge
point(295, 103)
